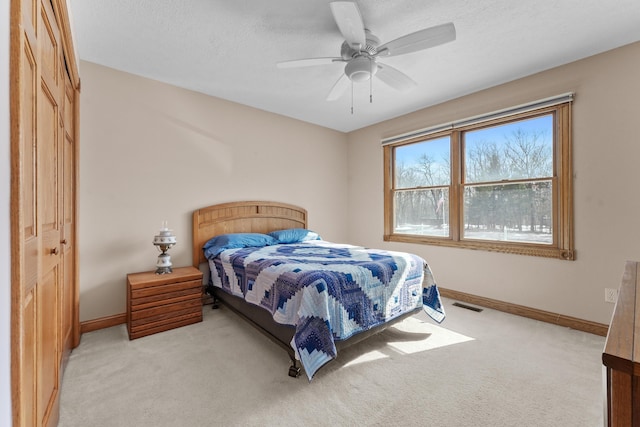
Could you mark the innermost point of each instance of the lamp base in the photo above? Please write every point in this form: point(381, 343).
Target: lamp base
point(164, 264)
point(164, 270)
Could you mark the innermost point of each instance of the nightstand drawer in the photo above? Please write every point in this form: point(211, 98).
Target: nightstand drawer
point(165, 311)
point(148, 297)
point(164, 325)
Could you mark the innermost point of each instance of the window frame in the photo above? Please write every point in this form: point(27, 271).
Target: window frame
point(562, 246)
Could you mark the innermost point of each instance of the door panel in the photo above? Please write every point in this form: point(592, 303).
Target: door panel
point(48, 36)
point(30, 241)
point(47, 313)
point(50, 200)
point(48, 303)
point(48, 178)
point(28, 126)
point(29, 343)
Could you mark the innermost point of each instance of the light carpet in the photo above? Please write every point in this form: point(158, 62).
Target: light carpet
point(475, 369)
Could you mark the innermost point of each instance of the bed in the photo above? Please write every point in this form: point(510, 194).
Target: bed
point(310, 296)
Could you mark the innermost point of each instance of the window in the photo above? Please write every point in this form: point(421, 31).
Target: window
point(502, 184)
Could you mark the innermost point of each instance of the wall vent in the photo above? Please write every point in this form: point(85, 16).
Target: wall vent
point(468, 307)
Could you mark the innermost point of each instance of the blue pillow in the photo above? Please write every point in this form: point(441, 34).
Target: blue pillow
point(234, 241)
point(294, 235)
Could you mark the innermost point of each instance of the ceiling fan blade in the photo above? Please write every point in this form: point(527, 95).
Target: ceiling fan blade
point(349, 21)
point(307, 62)
point(422, 39)
point(339, 88)
point(395, 78)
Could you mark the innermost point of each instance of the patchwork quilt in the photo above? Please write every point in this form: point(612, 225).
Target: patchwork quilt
point(328, 291)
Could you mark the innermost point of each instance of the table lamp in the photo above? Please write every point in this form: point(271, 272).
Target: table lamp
point(163, 241)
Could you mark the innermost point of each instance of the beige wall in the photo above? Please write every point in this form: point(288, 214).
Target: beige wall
point(606, 150)
point(152, 152)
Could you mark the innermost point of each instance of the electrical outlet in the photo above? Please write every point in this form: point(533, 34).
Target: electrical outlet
point(610, 295)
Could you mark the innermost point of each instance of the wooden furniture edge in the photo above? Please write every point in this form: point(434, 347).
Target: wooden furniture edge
point(621, 354)
point(531, 313)
point(103, 322)
point(620, 351)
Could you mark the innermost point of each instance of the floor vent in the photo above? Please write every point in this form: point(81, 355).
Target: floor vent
point(468, 307)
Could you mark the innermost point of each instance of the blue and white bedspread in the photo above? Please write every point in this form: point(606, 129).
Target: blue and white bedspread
point(328, 291)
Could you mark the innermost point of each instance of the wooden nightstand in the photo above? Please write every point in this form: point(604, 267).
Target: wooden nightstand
point(158, 302)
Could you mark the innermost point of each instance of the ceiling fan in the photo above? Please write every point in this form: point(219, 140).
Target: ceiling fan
point(361, 50)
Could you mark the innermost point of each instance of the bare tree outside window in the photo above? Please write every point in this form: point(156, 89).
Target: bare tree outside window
point(424, 175)
point(508, 173)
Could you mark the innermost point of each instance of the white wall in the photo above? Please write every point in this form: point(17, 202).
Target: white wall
point(152, 152)
point(5, 224)
point(606, 150)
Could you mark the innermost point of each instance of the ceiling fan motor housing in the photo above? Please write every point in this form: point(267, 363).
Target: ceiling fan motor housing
point(370, 48)
point(362, 64)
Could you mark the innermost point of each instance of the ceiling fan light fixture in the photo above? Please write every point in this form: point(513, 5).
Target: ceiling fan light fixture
point(361, 69)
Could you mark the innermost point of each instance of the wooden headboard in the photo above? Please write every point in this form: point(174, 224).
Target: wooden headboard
point(242, 217)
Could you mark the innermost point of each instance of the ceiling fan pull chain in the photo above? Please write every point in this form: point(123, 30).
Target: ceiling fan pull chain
point(351, 97)
point(370, 80)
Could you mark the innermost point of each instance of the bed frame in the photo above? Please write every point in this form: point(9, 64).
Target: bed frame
point(259, 217)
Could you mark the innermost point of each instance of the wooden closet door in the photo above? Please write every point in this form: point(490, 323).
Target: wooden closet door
point(44, 297)
point(43, 265)
point(50, 198)
point(26, 264)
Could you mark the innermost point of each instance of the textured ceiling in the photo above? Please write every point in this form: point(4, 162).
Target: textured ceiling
point(229, 48)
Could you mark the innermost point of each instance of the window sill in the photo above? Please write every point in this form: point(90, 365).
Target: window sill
point(502, 247)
